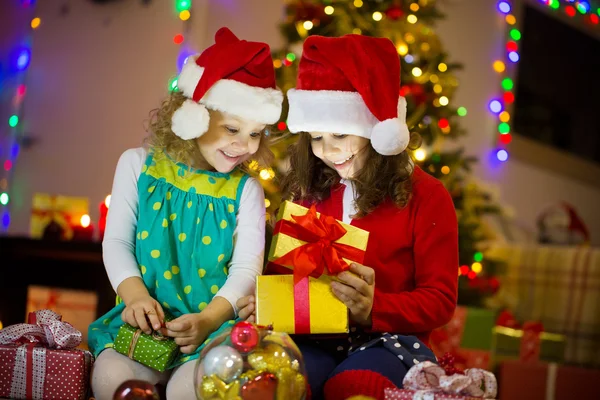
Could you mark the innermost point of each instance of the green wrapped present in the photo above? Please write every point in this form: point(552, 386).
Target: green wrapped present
point(155, 350)
point(507, 344)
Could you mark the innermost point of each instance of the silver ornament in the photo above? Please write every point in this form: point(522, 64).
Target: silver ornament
point(225, 362)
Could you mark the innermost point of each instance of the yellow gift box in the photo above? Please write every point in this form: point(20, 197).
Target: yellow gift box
point(283, 243)
point(275, 305)
point(64, 210)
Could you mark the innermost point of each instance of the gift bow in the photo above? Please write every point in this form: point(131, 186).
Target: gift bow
point(427, 378)
point(44, 327)
point(320, 232)
point(530, 341)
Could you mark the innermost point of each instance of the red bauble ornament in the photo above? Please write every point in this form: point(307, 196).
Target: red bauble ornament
point(245, 336)
point(263, 387)
point(394, 13)
point(136, 390)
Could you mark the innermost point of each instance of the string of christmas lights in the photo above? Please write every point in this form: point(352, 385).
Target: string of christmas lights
point(183, 10)
point(18, 64)
point(501, 105)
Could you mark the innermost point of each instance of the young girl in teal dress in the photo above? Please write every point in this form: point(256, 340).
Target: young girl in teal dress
point(185, 230)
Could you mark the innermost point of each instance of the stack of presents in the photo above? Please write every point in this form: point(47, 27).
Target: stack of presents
point(547, 346)
point(546, 342)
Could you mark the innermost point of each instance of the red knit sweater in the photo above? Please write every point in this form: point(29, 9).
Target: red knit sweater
point(414, 252)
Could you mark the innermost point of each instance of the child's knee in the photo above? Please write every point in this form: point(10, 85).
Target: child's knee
point(107, 374)
point(181, 383)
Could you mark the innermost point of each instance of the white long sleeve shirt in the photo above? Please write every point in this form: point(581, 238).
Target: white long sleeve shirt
point(119, 237)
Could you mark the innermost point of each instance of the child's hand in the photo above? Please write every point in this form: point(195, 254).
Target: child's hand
point(356, 291)
point(189, 331)
point(247, 308)
point(141, 310)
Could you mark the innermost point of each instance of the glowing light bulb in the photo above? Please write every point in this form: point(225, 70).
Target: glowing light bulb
point(420, 154)
point(85, 220)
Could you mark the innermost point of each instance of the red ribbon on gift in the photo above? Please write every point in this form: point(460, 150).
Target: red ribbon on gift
point(43, 328)
point(320, 254)
point(530, 341)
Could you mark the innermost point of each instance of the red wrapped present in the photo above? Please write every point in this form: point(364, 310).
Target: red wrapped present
point(429, 381)
point(39, 360)
point(546, 381)
point(468, 337)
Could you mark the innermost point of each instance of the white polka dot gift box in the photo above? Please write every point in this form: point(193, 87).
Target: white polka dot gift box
point(154, 350)
point(428, 381)
point(39, 360)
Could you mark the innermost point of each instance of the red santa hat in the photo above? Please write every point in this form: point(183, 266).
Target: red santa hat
point(350, 85)
point(232, 75)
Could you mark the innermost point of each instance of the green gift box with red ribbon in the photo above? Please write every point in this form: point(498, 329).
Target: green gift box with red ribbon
point(313, 248)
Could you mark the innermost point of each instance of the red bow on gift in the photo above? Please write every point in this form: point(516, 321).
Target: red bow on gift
point(320, 233)
point(44, 327)
point(427, 378)
point(530, 341)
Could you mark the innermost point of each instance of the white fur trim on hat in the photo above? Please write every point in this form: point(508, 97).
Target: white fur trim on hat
point(254, 103)
point(346, 113)
point(190, 121)
point(329, 111)
point(189, 76)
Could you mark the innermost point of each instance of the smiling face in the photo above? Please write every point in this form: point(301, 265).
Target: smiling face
point(229, 141)
point(343, 153)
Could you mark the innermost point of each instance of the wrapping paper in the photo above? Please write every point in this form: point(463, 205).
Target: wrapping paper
point(312, 244)
point(428, 381)
point(39, 360)
point(519, 344)
point(468, 337)
point(154, 350)
point(276, 305)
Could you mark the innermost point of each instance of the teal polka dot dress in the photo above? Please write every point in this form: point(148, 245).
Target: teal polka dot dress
point(184, 241)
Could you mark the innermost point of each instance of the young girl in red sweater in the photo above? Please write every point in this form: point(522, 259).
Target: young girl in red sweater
point(351, 161)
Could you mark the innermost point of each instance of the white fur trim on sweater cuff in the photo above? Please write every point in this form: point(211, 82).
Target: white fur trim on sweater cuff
point(329, 111)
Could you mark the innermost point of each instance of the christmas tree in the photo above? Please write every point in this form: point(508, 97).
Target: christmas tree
point(428, 83)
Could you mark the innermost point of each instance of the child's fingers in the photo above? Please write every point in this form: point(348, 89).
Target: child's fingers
point(246, 311)
point(154, 320)
point(188, 349)
point(128, 317)
point(251, 318)
point(184, 341)
point(178, 325)
point(161, 313)
point(140, 318)
point(244, 301)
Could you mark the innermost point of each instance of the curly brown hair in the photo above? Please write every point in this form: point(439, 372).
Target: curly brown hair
point(310, 179)
point(161, 137)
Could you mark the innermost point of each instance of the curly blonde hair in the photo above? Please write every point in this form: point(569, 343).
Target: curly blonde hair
point(161, 137)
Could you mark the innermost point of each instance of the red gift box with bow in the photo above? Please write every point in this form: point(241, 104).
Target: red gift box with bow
point(39, 360)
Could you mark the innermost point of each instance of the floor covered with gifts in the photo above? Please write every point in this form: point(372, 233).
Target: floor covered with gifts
point(527, 361)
